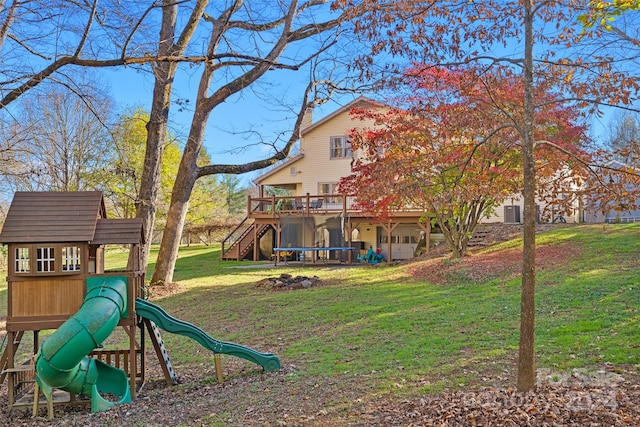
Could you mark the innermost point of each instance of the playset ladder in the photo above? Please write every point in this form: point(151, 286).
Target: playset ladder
point(163, 355)
point(161, 352)
point(4, 360)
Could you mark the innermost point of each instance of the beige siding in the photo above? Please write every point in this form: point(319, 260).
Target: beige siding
point(498, 215)
point(317, 166)
point(284, 176)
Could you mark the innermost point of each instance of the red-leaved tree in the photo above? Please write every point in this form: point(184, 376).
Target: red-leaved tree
point(453, 149)
point(540, 41)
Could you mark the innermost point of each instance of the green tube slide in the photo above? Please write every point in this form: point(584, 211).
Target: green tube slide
point(156, 314)
point(62, 361)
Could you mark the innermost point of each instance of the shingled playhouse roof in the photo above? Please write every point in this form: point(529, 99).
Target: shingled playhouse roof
point(57, 217)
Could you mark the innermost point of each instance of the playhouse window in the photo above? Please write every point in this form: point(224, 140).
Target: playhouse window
point(45, 260)
point(70, 258)
point(23, 262)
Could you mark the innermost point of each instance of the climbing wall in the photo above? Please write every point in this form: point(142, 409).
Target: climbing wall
point(161, 350)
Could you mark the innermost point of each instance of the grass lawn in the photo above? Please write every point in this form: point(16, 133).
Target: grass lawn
point(384, 331)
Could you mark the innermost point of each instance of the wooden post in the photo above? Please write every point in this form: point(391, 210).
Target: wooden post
point(12, 346)
point(36, 402)
point(306, 206)
point(273, 206)
point(36, 342)
point(389, 227)
point(350, 243)
point(143, 359)
point(278, 240)
point(133, 361)
point(217, 360)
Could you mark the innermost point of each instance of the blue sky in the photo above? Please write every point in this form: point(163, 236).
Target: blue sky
point(230, 124)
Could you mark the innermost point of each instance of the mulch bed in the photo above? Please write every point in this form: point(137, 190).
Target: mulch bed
point(604, 400)
point(164, 290)
point(250, 398)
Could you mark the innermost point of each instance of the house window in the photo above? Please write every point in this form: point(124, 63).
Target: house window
point(409, 239)
point(326, 189)
point(341, 147)
point(70, 258)
point(23, 261)
point(293, 171)
point(45, 260)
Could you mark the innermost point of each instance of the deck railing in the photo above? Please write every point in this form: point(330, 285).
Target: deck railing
point(233, 239)
point(309, 204)
point(622, 219)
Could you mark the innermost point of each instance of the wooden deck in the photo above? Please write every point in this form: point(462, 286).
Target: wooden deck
point(267, 214)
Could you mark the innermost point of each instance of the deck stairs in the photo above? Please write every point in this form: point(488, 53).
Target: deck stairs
point(480, 237)
point(241, 240)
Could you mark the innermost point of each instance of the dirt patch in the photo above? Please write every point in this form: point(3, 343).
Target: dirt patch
point(489, 265)
point(164, 290)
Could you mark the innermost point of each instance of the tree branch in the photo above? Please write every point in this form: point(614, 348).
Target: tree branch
point(282, 153)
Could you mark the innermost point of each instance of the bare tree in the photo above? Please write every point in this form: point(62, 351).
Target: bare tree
point(14, 155)
point(46, 41)
point(66, 137)
point(246, 41)
point(172, 43)
point(38, 39)
point(624, 131)
point(243, 41)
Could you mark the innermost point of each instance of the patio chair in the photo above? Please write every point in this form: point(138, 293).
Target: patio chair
point(296, 204)
point(317, 204)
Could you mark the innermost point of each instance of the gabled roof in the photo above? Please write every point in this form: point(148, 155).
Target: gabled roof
point(361, 100)
point(278, 168)
point(53, 217)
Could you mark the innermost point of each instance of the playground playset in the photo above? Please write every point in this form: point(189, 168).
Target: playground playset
point(57, 281)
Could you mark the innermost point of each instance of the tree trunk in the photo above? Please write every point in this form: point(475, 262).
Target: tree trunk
point(189, 171)
point(166, 262)
point(526, 360)
point(156, 132)
point(185, 180)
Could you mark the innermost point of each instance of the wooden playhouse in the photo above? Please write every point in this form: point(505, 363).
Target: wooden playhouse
point(57, 282)
point(56, 244)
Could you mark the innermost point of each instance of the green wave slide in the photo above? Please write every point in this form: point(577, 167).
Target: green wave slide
point(62, 361)
point(156, 314)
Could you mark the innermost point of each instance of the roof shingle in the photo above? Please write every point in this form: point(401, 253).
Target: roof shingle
point(53, 217)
